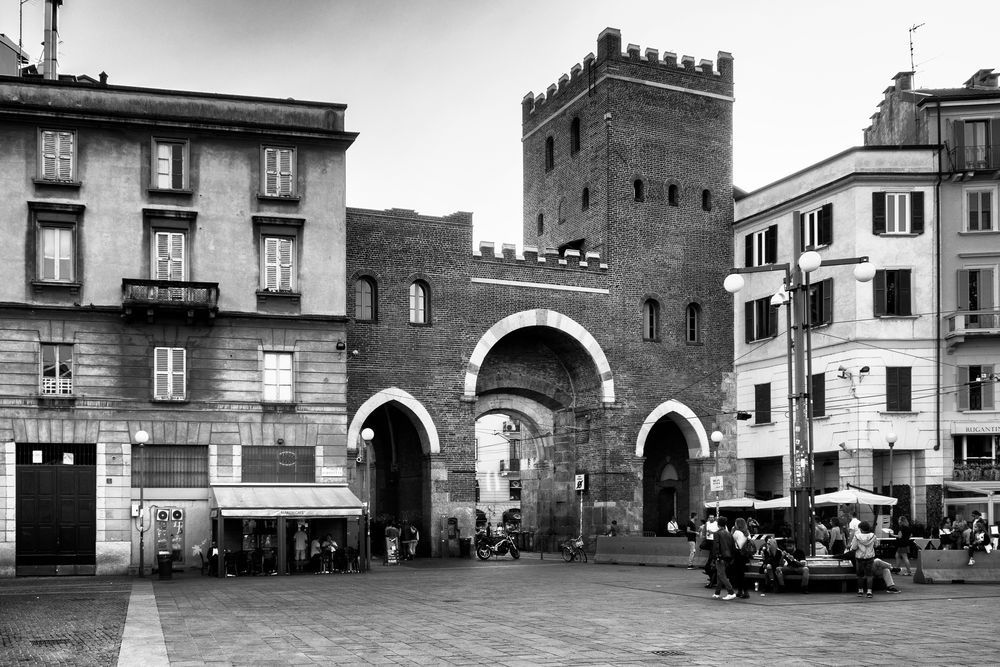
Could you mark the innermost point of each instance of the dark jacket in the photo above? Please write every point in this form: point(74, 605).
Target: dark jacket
point(724, 546)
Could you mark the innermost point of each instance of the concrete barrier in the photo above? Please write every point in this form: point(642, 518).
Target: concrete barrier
point(635, 550)
point(951, 566)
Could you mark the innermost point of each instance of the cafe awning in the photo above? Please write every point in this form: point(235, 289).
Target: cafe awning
point(274, 500)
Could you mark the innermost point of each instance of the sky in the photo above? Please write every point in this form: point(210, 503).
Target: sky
point(434, 86)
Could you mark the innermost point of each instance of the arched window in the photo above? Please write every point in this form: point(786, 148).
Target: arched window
point(706, 200)
point(550, 153)
point(650, 320)
point(585, 199)
point(672, 194)
point(561, 212)
point(420, 303)
point(640, 189)
point(541, 224)
point(692, 323)
point(574, 136)
point(365, 299)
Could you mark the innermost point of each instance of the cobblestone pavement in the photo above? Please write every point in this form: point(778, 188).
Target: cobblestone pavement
point(542, 612)
point(62, 621)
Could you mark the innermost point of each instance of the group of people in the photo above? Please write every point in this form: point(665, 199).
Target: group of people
point(729, 554)
point(401, 541)
point(322, 554)
point(972, 535)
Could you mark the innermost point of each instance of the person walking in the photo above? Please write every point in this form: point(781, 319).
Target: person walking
point(738, 571)
point(837, 542)
point(723, 551)
point(691, 532)
point(863, 546)
point(903, 534)
point(301, 541)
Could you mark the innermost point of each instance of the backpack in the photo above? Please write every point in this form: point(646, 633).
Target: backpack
point(749, 549)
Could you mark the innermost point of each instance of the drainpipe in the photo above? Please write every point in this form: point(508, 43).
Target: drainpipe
point(937, 298)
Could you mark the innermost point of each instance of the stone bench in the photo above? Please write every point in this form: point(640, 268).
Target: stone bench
point(821, 568)
point(636, 550)
point(951, 566)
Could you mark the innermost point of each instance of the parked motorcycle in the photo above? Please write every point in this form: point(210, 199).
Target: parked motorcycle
point(496, 545)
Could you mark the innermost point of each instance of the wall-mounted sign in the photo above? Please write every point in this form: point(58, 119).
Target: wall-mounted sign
point(581, 483)
point(68, 458)
point(716, 482)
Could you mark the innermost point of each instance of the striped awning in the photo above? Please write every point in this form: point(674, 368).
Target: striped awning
point(293, 500)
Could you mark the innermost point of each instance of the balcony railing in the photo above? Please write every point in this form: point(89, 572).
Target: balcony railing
point(970, 158)
point(971, 323)
point(151, 297)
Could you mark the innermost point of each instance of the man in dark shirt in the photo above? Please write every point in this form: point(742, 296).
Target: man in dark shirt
point(723, 551)
point(691, 532)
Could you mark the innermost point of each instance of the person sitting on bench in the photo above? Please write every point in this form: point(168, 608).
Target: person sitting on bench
point(778, 562)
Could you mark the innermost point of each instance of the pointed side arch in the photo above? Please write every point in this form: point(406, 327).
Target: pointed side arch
point(540, 317)
point(686, 420)
point(429, 442)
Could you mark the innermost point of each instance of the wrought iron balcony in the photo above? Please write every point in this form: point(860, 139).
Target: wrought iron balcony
point(149, 298)
point(972, 158)
point(971, 324)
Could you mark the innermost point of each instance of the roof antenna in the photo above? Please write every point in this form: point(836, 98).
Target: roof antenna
point(913, 67)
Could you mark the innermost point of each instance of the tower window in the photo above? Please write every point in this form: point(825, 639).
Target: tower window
point(574, 136)
point(541, 223)
point(650, 320)
point(639, 189)
point(550, 153)
point(706, 200)
point(420, 303)
point(692, 323)
point(585, 199)
point(672, 195)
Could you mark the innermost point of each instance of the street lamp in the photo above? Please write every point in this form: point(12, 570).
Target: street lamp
point(717, 441)
point(891, 440)
point(794, 291)
point(367, 435)
point(141, 438)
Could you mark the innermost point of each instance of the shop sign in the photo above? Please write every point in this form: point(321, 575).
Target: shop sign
point(974, 428)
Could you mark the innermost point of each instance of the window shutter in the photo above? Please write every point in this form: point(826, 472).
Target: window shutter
point(177, 166)
point(798, 219)
point(271, 263)
point(771, 244)
point(818, 397)
point(169, 256)
point(963, 388)
point(284, 172)
point(917, 212)
point(879, 296)
point(963, 289)
point(64, 146)
point(748, 307)
point(993, 157)
point(987, 388)
point(903, 307)
point(905, 388)
point(958, 136)
point(827, 287)
point(826, 225)
point(748, 250)
point(49, 155)
point(271, 171)
point(878, 213)
point(986, 289)
point(285, 264)
point(762, 403)
point(177, 372)
point(161, 372)
point(891, 389)
point(772, 318)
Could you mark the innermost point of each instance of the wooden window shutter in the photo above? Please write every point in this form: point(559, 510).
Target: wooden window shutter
point(64, 146)
point(772, 317)
point(958, 136)
point(825, 225)
point(285, 264)
point(178, 372)
point(993, 156)
point(799, 219)
point(818, 395)
point(987, 387)
point(963, 387)
point(903, 307)
point(49, 155)
point(963, 289)
point(748, 243)
point(279, 264)
point(271, 172)
point(878, 213)
point(905, 388)
point(170, 256)
point(748, 308)
point(762, 403)
point(827, 287)
point(986, 290)
point(161, 372)
point(285, 174)
point(771, 245)
point(177, 166)
point(879, 295)
point(892, 388)
point(917, 212)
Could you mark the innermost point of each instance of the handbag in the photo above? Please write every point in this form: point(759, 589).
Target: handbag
point(706, 544)
point(748, 550)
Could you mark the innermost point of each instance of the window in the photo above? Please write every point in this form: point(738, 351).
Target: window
point(816, 228)
point(650, 320)
point(56, 249)
point(761, 247)
point(673, 194)
point(762, 403)
point(821, 302)
point(365, 299)
point(283, 463)
point(550, 153)
point(817, 395)
point(692, 323)
point(975, 141)
point(278, 270)
point(277, 377)
point(585, 199)
point(419, 303)
point(278, 171)
point(976, 448)
point(975, 293)
point(515, 488)
point(892, 292)
point(170, 164)
point(706, 200)
point(897, 212)
point(639, 190)
point(166, 466)
point(57, 155)
point(57, 369)
point(169, 250)
point(561, 211)
point(979, 210)
point(574, 136)
point(975, 388)
point(541, 223)
point(169, 374)
point(761, 319)
point(898, 387)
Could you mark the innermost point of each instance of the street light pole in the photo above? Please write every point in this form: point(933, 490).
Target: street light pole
point(891, 440)
point(367, 435)
point(717, 440)
point(141, 438)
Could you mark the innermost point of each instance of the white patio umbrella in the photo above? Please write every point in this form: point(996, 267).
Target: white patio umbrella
point(774, 504)
point(852, 496)
point(731, 503)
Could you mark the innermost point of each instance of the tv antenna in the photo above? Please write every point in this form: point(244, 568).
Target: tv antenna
point(913, 67)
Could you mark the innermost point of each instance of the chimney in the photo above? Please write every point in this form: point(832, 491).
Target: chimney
point(904, 81)
point(984, 78)
point(51, 57)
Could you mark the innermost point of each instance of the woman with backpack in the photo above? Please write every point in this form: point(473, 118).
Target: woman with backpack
point(744, 552)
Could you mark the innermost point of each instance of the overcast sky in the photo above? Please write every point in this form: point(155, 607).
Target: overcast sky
point(434, 86)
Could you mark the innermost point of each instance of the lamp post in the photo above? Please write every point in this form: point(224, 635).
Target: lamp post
point(367, 435)
point(141, 438)
point(795, 292)
point(891, 440)
point(717, 441)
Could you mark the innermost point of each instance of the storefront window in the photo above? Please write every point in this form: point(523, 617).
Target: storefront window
point(975, 449)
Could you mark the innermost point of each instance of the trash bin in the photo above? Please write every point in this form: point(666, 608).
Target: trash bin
point(465, 547)
point(165, 564)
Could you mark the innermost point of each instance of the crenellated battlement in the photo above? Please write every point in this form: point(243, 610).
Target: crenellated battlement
point(609, 53)
point(532, 256)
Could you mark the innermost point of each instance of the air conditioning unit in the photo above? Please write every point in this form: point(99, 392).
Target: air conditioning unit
point(177, 514)
point(162, 515)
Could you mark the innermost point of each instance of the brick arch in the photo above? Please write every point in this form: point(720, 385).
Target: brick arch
point(688, 422)
point(422, 421)
point(540, 317)
point(539, 415)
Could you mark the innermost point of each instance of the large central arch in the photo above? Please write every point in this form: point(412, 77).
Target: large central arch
point(540, 317)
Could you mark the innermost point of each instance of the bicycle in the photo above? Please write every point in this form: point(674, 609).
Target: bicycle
point(572, 550)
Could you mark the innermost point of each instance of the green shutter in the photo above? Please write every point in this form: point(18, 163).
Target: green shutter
point(748, 308)
point(818, 395)
point(825, 225)
point(879, 295)
point(827, 291)
point(917, 212)
point(748, 250)
point(987, 388)
point(958, 136)
point(878, 213)
point(904, 301)
point(771, 245)
point(963, 387)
